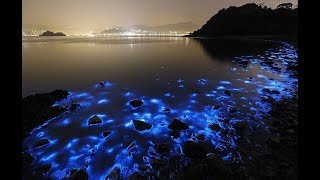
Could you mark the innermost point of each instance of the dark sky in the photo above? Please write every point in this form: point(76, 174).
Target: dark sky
point(93, 15)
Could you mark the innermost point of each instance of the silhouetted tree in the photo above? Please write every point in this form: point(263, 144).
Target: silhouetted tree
point(285, 5)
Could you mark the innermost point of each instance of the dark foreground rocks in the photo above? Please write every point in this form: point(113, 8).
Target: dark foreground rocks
point(141, 125)
point(178, 125)
point(136, 103)
point(37, 109)
point(94, 120)
point(41, 142)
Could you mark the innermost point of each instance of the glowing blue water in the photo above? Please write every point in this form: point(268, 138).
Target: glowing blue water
point(74, 144)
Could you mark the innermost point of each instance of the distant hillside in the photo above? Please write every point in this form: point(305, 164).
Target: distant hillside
point(183, 27)
point(251, 19)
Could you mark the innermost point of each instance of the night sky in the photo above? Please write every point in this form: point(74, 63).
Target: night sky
point(94, 15)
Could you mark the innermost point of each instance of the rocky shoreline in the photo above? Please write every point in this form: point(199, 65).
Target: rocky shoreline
point(273, 156)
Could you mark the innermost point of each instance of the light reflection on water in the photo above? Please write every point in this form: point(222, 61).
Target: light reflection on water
point(179, 74)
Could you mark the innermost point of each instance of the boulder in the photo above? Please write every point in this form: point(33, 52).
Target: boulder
point(106, 134)
point(94, 120)
point(136, 103)
point(141, 125)
point(178, 125)
point(227, 92)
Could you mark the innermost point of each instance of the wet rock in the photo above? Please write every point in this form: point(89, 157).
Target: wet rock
point(41, 142)
point(194, 150)
point(143, 167)
point(240, 125)
point(135, 176)
point(94, 120)
point(175, 134)
point(227, 92)
point(270, 91)
point(78, 175)
point(216, 107)
point(45, 168)
point(167, 110)
point(114, 174)
point(136, 103)
point(243, 63)
point(38, 108)
point(273, 142)
point(215, 127)
point(163, 148)
point(27, 159)
point(141, 125)
point(106, 134)
point(232, 109)
point(74, 106)
point(267, 62)
point(178, 125)
point(156, 163)
point(201, 137)
point(267, 99)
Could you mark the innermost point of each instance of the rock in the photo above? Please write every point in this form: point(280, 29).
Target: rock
point(141, 125)
point(178, 125)
point(194, 150)
point(38, 108)
point(143, 167)
point(167, 110)
point(50, 33)
point(106, 134)
point(74, 106)
point(216, 107)
point(240, 125)
point(267, 62)
point(156, 163)
point(270, 91)
point(78, 175)
point(232, 109)
point(273, 142)
point(135, 176)
point(136, 103)
point(114, 174)
point(27, 159)
point(163, 148)
point(201, 137)
point(227, 92)
point(45, 168)
point(94, 120)
point(41, 142)
point(215, 127)
point(175, 134)
point(243, 63)
point(268, 99)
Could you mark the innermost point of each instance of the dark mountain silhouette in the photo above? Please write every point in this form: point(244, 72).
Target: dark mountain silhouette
point(183, 27)
point(49, 33)
point(251, 19)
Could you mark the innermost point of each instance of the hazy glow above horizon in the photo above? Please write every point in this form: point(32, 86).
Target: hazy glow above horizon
point(83, 16)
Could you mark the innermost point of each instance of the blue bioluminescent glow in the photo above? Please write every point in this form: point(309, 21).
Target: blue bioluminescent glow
point(202, 104)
